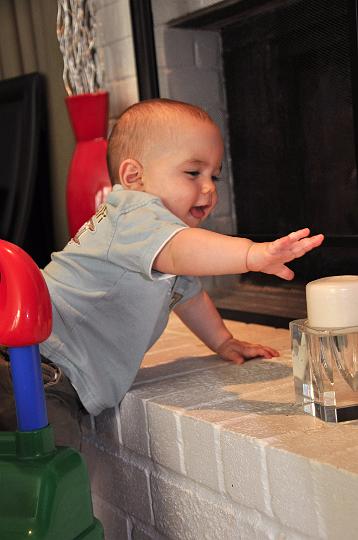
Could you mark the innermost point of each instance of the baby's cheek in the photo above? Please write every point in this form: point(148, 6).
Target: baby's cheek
point(215, 200)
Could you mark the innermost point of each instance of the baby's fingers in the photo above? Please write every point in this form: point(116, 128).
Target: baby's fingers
point(286, 242)
point(298, 235)
point(234, 356)
point(298, 243)
point(282, 271)
point(301, 240)
point(307, 244)
point(265, 352)
point(255, 351)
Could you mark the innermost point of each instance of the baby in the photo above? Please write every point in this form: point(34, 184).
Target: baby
point(115, 283)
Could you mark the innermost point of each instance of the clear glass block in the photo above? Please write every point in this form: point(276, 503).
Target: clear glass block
point(325, 370)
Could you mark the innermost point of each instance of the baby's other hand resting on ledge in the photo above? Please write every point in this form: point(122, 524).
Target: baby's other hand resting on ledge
point(238, 351)
point(270, 257)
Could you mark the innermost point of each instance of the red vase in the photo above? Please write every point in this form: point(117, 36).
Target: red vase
point(88, 181)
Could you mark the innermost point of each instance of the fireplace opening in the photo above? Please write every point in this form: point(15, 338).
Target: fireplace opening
point(290, 70)
point(288, 73)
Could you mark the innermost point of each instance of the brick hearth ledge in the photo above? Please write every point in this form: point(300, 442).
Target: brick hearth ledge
point(203, 449)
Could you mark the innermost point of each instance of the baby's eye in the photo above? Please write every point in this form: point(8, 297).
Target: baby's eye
point(216, 178)
point(193, 173)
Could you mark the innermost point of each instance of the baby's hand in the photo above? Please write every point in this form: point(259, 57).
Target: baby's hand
point(238, 351)
point(270, 257)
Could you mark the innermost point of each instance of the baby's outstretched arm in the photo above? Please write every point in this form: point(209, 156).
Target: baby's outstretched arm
point(199, 252)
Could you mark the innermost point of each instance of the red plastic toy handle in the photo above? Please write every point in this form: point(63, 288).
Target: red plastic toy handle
point(25, 305)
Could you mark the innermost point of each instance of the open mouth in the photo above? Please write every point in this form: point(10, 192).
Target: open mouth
point(198, 212)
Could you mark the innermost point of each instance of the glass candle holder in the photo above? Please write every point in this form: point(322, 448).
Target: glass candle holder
point(325, 370)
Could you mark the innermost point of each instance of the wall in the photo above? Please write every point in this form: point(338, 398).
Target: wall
point(189, 68)
point(115, 47)
point(203, 449)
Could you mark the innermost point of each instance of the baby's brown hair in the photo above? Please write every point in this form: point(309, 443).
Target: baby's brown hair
point(133, 132)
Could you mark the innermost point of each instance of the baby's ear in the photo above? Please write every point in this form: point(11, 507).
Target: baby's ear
point(130, 174)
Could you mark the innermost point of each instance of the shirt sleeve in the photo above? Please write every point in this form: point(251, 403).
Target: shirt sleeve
point(185, 287)
point(140, 234)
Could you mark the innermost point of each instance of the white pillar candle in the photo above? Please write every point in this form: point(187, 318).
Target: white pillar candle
point(332, 302)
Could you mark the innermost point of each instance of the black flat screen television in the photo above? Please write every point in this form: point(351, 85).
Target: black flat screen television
point(25, 202)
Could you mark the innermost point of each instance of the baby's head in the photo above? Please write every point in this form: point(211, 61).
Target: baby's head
point(144, 126)
point(170, 149)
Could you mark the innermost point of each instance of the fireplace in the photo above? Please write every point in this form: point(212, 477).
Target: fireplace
point(289, 87)
point(290, 74)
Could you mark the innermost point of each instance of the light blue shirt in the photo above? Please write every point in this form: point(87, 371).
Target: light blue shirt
point(109, 306)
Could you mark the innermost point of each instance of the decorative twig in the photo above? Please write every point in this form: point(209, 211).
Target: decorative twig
point(76, 34)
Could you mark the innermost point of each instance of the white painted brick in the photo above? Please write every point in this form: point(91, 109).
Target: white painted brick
point(113, 22)
point(106, 428)
point(182, 401)
point(291, 487)
point(335, 494)
point(115, 523)
point(159, 46)
point(207, 3)
point(145, 532)
point(310, 500)
point(185, 512)
point(255, 526)
point(195, 86)
point(219, 115)
point(165, 10)
point(101, 3)
point(164, 89)
point(177, 48)
point(119, 427)
point(220, 383)
point(165, 437)
point(168, 387)
point(217, 379)
point(134, 427)
point(207, 49)
point(193, 5)
point(309, 497)
point(122, 94)
point(182, 366)
point(117, 479)
point(193, 384)
point(200, 451)
point(245, 474)
point(223, 208)
point(119, 60)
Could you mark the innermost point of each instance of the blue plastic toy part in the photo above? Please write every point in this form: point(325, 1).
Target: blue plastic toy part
point(29, 391)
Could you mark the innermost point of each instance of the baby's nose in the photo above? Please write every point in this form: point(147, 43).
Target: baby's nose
point(208, 186)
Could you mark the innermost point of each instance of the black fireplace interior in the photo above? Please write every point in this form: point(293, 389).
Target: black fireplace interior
point(291, 74)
